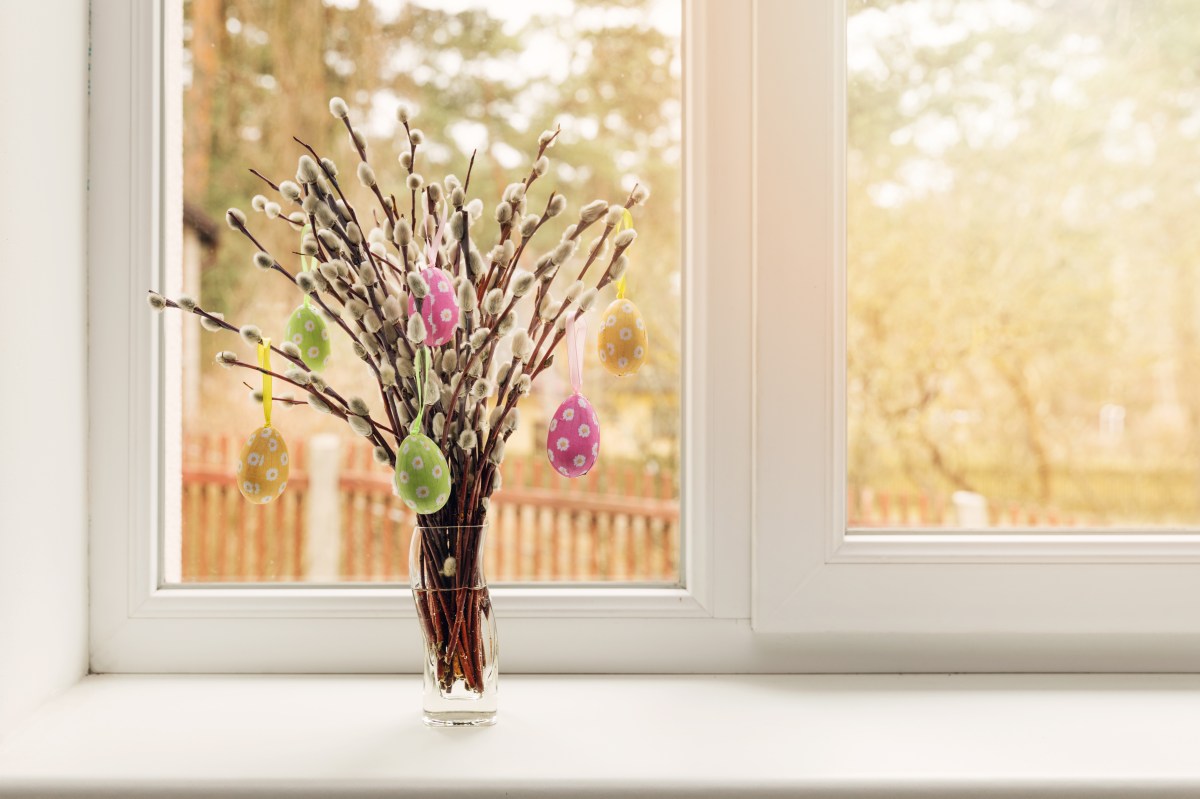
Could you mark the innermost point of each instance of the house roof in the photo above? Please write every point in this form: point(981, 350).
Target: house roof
point(204, 225)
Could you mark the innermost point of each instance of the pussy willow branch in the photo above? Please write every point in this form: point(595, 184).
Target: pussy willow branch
point(280, 400)
point(220, 322)
point(325, 395)
point(264, 179)
point(536, 324)
point(506, 228)
point(352, 269)
point(512, 265)
point(388, 401)
point(412, 166)
point(336, 412)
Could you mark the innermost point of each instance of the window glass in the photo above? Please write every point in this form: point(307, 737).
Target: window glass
point(482, 76)
point(1023, 195)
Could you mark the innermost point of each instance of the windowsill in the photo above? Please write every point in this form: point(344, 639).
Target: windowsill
point(351, 736)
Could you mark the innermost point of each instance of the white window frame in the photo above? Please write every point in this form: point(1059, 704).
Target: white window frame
point(763, 425)
point(140, 625)
point(1092, 600)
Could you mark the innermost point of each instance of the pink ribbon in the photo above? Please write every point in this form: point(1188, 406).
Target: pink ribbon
point(431, 249)
point(576, 334)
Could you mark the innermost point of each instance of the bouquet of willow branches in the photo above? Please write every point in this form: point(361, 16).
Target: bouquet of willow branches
point(364, 275)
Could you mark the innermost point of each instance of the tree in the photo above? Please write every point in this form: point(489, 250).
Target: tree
point(1020, 183)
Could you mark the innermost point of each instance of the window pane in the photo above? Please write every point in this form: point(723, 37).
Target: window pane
point(1023, 197)
point(485, 76)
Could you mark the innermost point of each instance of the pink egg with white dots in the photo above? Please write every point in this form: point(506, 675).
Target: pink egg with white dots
point(439, 309)
point(573, 439)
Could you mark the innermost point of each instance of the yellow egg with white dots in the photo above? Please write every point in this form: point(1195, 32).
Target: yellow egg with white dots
point(262, 467)
point(622, 343)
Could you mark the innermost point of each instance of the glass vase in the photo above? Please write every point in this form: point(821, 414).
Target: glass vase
point(458, 626)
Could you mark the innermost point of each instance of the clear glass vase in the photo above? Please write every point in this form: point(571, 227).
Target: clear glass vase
point(458, 626)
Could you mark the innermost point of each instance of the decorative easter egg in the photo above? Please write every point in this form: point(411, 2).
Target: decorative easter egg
point(573, 440)
point(439, 308)
point(262, 467)
point(308, 331)
point(622, 341)
point(422, 474)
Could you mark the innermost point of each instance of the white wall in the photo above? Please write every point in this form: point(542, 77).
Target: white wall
point(43, 370)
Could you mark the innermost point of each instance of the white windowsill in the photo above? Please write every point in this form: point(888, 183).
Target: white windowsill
point(352, 736)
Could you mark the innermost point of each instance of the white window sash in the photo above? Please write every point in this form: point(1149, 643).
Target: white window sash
point(140, 624)
point(764, 144)
point(1092, 600)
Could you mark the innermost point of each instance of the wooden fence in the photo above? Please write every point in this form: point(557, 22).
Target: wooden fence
point(868, 507)
point(615, 524)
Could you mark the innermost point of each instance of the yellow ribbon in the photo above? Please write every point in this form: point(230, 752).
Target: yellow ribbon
point(264, 362)
point(625, 224)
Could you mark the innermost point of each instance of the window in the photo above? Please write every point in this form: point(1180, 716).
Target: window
point(483, 77)
point(1021, 283)
point(764, 439)
point(1103, 596)
point(145, 618)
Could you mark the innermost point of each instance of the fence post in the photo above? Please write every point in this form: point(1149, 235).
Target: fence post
point(324, 523)
point(970, 509)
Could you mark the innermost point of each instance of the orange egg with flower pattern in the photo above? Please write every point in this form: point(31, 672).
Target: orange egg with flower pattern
point(262, 467)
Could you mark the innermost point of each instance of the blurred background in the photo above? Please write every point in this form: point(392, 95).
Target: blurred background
point(1024, 237)
point(1023, 190)
point(485, 76)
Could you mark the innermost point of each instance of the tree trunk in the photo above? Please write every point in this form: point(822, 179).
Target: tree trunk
point(208, 25)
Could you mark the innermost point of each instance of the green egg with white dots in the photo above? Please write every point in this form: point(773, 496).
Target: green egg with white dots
point(308, 331)
point(422, 474)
